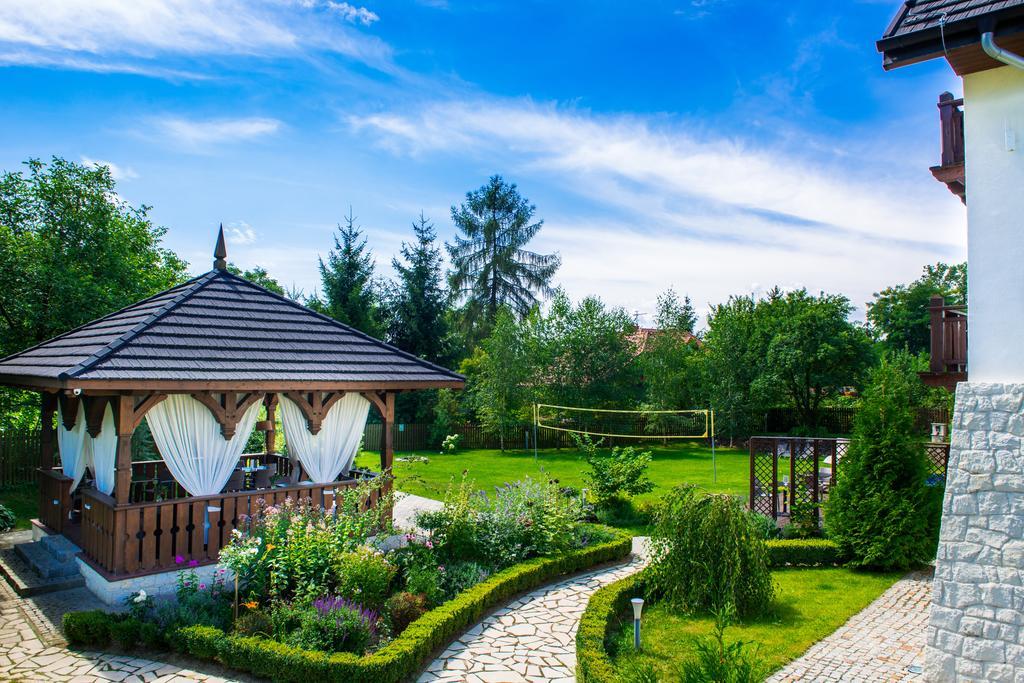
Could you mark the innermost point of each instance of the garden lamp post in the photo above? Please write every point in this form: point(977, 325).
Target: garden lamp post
point(638, 606)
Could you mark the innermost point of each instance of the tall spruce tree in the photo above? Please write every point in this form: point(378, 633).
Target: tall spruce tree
point(418, 324)
point(491, 267)
point(349, 292)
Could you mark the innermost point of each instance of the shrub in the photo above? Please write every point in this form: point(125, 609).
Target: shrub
point(593, 665)
point(403, 609)
point(88, 628)
point(459, 576)
point(620, 474)
point(195, 603)
point(291, 550)
point(127, 633)
point(716, 662)
point(706, 553)
point(803, 552)
point(335, 624)
point(7, 518)
point(880, 512)
point(405, 655)
point(519, 520)
point(425, 580)
point(365, 576)
point(764, 525)
point(450, 443)
point(254, 622)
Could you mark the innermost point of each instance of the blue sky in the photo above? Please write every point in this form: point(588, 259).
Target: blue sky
point(716, 146)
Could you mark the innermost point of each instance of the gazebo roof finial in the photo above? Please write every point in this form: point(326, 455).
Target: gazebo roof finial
point(220, 252)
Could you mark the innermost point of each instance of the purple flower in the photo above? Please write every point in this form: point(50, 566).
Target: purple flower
point(202, 586)
point(178, 559)
point(329, 605)
point(193, 563)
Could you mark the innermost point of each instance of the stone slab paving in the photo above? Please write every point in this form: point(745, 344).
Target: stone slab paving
point(32, 647)
point(532, 638)
point(883, 642)
point(408, 505)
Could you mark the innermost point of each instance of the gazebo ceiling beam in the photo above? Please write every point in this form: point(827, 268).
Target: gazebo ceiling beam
point(229, 409)
point(378, 400)
point(314, 405)
point(68, 410)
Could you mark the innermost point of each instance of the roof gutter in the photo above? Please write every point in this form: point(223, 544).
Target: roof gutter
point(988, 44)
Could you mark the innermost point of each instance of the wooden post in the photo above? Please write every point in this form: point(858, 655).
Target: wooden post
point(271, 434)
point(752, 475)
point(815, 493)
point(46, 435)
point(387, 451)
point(936, 363)
point(775, 479)
point(125, 422)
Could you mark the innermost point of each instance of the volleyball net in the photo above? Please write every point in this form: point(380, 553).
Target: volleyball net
point(626, 424)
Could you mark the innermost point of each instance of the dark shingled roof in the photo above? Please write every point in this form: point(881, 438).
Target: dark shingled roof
point(219, 327)
point(914, 34)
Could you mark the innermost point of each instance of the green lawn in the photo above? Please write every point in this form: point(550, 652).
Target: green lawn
point(23, 501)
point(810, 604)
point(671, 465)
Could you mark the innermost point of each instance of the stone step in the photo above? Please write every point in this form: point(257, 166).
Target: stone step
point(44, 563)
point(60, 547)
point(26, 581)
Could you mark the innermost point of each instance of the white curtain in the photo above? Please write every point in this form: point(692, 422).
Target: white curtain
point(103, 453)
point(73, 445)
point(194, 449)
point(330, 452)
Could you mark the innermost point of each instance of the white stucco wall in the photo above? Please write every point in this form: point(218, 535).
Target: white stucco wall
point(994, 110)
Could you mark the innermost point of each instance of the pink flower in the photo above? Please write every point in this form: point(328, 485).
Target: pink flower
point(193, 563)
point(440, 567)
point(430, 545)
point(202, 586)
point(178, 559)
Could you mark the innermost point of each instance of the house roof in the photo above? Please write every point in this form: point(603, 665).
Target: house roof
point(641, 338)
point(219, 331)
point(926, 29)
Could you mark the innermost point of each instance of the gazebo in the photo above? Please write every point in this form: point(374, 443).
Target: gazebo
point(197, 362)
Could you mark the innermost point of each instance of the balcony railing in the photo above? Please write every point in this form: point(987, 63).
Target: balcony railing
point(951, 126)
point(948, 359)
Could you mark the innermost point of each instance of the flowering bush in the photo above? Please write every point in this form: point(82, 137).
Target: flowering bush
point(364, 575)
point(450, 443)
point(329, 624)
point(292, 550)
point(403, 609)
point(519, 520)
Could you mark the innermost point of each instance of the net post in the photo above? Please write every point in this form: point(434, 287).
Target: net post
point(714, 461)
point(536, 412)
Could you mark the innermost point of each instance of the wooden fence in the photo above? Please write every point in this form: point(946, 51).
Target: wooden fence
point(791, 472)
point(19, 457)
point(839, 419)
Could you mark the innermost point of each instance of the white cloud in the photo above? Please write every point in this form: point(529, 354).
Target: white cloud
point(129, 33)
point(707, 213)
point(117, 172)
point(352, 14)
point(241, 233)
point(196, 134)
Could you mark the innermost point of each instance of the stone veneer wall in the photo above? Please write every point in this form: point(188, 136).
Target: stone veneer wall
point(976, 631)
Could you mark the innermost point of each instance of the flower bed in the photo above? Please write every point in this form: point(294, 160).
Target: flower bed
point(316, 595)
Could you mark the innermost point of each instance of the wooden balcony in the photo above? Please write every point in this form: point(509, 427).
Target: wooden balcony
point(951, 169)
point(948, 363)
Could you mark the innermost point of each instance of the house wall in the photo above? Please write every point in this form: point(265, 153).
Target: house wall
point(994, 111)
point(976, 631)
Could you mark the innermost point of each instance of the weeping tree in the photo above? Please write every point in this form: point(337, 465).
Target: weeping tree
point(491, 267)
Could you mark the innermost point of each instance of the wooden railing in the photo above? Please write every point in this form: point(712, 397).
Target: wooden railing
point(54, 498)
point(950, 170)
point(141, 538)
point(948, 358)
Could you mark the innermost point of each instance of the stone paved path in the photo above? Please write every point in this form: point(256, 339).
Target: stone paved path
point(32, 647)
point(883, 642)
point(532, 638)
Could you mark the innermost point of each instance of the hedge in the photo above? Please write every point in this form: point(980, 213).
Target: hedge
point(600, 618)
point(396, 661)
point(803, 552)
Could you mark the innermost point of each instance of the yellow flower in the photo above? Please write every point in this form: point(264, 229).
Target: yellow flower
point(252, 604)
point(270, 546)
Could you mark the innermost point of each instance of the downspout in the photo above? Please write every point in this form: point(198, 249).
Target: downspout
point(988, 44)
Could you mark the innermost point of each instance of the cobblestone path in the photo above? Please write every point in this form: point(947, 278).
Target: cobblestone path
point(532, 638)
point(32, 647)
point(882, 642)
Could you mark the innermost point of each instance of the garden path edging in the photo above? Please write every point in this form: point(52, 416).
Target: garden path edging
point(533, 637)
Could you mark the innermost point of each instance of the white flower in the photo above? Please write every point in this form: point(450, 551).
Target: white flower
point(141, 597)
